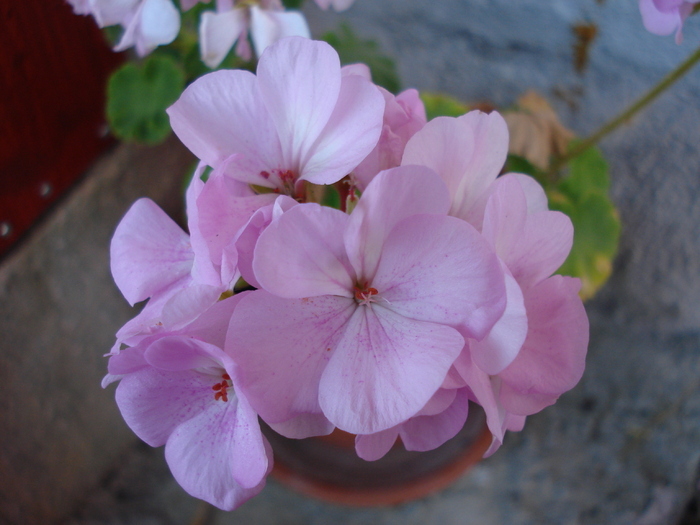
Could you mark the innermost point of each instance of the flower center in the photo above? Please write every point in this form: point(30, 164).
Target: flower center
point(364, 295)
point(222, 388)
point(284, 181)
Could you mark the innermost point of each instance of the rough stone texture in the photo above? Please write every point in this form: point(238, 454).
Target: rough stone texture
point(623, 447)
point(59, 310)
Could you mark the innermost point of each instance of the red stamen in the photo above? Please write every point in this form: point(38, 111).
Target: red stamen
point(222, 388)
point(287, 176)
point(364, 294)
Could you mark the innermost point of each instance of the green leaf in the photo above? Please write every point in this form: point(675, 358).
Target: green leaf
point(596, 236)
point(137, 96)
point(441, 105)
point(353, 50)
point(588, 173)
point(331, 198)
point(292, 4)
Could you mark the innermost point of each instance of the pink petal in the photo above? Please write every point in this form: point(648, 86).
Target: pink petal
point(159, 25)
point(303, 426)
point(351, 133)
point(176, 353)
point(429, 432)
point(267, 26)
point(533, 245)
point(222, 214)
point(212, 326)
point(440, 401)
point(203, 270)
point(218, 32)
point(302, 254)
point(505, 216)
point(219, 455)
point(222, 113)
point(357, 69)
point(127, 361)
point(372, 447)
point(534, 193)
point(187, 304)
point(502, 344)
point(439, 269)
point(485, 392)
point(281, 347)
point(154, 402)
point(453, 380)
point(467, 152)
point(149, 320)
point(553, 357)
point(299, 80)
point(247, 237)
point(384, 369)
point(391, 197)
point(657, 21)
point(542, 249)
point(149, 252)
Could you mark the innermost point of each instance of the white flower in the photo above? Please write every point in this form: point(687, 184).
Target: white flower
point(265, 20)
point(147, 23)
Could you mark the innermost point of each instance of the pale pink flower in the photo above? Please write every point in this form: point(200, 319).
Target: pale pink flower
point(147, 23)
point(468, 152)
point(404, 115)
point(265, 21)
point(360, 317)
point(528, 359)
point(663, 17)
point(298, 120)
point(532, 242)
point(175, 390)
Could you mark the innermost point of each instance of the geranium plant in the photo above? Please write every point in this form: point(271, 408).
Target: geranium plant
point(426, 286)
point(356, 258)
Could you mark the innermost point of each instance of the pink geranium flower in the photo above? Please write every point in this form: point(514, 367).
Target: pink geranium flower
point(175, 390)
point(404, 115)
point(663, 17)
point(529, 358)
point(266, 21)
point(360, 317)
point(532, 242)
point(298, 120)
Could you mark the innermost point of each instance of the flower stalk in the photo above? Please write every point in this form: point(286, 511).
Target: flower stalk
point(628, 113)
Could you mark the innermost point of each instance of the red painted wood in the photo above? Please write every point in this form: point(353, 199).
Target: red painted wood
point(53, 71)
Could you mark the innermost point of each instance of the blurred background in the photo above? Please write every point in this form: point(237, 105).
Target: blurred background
point(623, 447)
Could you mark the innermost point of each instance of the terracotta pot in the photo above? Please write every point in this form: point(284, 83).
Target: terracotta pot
point(328, 468)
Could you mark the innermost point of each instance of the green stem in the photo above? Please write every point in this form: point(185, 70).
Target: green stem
point(628, 113)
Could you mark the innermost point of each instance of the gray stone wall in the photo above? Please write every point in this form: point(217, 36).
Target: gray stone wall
point(59, 310)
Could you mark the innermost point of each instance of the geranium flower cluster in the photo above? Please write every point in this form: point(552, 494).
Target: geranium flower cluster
point(429, 286)
point(148, 24)
point(663, 17)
